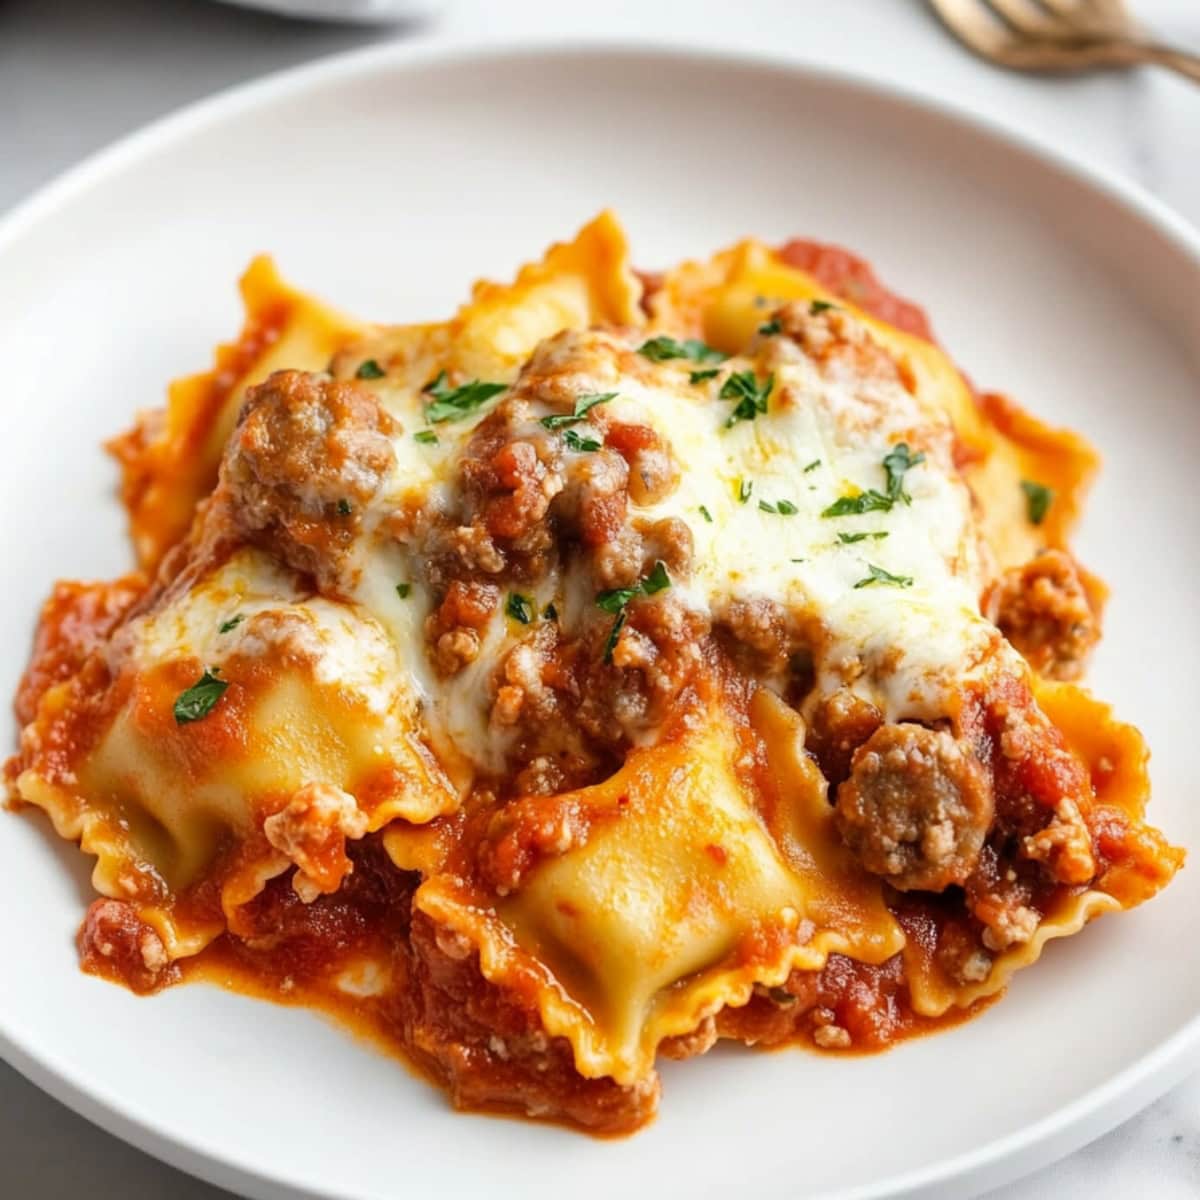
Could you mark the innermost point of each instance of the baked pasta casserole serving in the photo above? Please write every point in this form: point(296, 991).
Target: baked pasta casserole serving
point(628, 662)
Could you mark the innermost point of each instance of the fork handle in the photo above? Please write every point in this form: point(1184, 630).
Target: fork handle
point(1185, 64)
point(1180, 61)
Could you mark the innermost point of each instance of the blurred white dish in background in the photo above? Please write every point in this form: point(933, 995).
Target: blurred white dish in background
point(362, 12)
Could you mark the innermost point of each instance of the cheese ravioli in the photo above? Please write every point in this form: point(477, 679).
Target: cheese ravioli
point(628, 662)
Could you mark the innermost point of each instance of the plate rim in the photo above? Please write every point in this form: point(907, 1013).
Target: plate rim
point(991, 1164)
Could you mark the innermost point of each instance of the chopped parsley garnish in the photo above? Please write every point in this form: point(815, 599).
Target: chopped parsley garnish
point(520, 608)
point(403, 590)
point(879, 575)
point(785, 508)
point(749, 395)
point(198, 700)
point(615, 600)
point(1038, 498)
point(576, 441)
point(426, 437)
point(796, 560)
point(812, 466)
point(613, 635)
point(819, 306)
point(550, 612)
point(848, 539)
point(583, 405)
point(662, 349)
point(745, 487)
point(896, 462)
point(345, 508)
point(706, 514)
point(658, 580)
point(770, 328)
point(369, 369)
point(232, 623)
point(864, 502)
point(452, 404)
point(701, 376)
point(783, 996)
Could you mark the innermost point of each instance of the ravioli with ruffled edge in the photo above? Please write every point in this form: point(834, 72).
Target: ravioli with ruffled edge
point(628, 662)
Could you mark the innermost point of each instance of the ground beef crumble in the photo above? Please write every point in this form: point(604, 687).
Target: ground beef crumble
point(1046, 610)
point(306, 458)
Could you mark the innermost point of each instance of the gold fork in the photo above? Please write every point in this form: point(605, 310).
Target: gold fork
point(1059, 35)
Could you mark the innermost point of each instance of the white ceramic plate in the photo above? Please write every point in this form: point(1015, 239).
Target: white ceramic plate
point(385, 182)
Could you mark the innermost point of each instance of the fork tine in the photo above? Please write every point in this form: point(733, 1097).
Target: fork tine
point(979, 27)
point(976, 26)
point(1030, 19)
point(1093, 16)
point(1012, 34)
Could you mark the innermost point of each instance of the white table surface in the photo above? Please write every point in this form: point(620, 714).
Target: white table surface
point(75, 74)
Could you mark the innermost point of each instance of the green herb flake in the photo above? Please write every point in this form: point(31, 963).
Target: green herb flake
point(404, 590)
point(658, 580)
point(231, 624)
point(579, 442)
point(426, 437)
point(812, 466)
point(783, 997)
point(345, 508)
point(797, 560)
point(749, 396)
point(745, 487)
point(706, 514)
point(1038, 498)
point(864, 502)
point(369, 369)
point(520, 608)
point(613, 600)
point(583, 405)
point(200, 699)
point(614, 635)
point(848, 539)
point(662, 349)
point(770, 328)
point(817, 307)
point(896, 463)
point(550, 612)
point(879, 575)
point(783, 508)
point(701, 376)
point(452, 404)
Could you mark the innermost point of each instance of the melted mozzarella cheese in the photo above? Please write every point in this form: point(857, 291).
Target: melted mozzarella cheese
point(903, 645)
point(824, 436)
point(753, 493)
point(251, 607)
point(456, 710)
